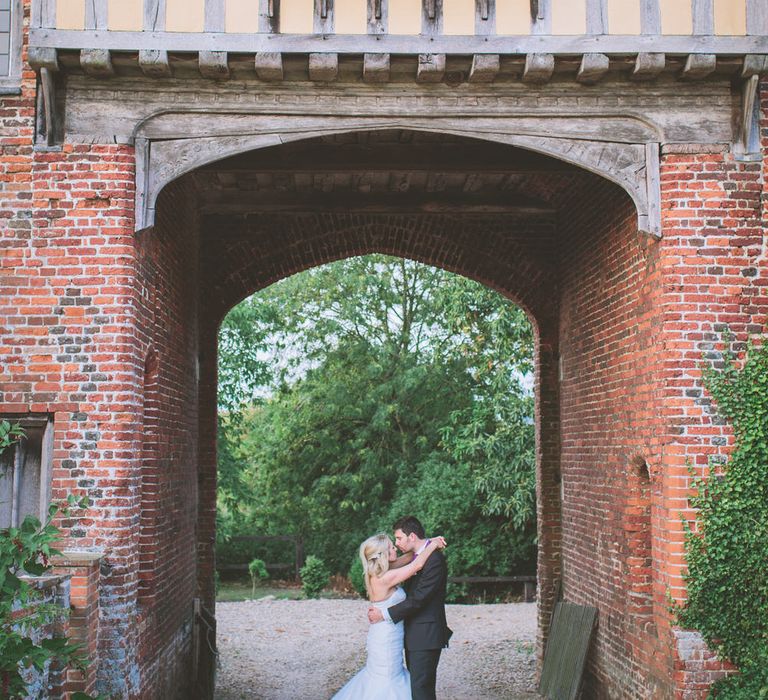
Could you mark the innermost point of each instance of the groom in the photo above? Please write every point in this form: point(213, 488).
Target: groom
point(426, 631)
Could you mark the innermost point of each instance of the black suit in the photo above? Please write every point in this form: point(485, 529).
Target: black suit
point(426, 631)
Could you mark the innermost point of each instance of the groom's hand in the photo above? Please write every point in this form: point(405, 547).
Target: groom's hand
point(374, 615)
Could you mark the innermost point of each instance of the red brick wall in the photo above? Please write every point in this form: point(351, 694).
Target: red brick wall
point(167, 332)
point(609, 334)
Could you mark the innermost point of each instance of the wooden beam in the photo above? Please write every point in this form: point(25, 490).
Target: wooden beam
point(431, 68)
point(485, 68)
point(376, 68)
point(698, 66)
point(594, 67)
point(323, 67)
point(49, 105)
point(754, 65)
point(214, 65)
point(97, 63)
point(269, 66)
point(483, 157)
point(394, 203)
point(43, 58)
point(155, 64)
point(538, 67)
point(648, 66)
point(399, 44)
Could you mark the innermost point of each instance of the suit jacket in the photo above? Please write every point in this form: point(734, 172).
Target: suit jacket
point(424, 608)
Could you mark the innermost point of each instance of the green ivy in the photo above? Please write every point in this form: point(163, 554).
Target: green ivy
point(27, 550)
point(727, 553)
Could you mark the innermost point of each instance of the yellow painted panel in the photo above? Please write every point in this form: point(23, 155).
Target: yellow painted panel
point(241, 16)
point(569, 17)
point(297, 16)
point(185, 15)
point(404, 17)
point(676, 17)
point(513, 17)
point(731, 17)
point(350, 17)
point(125, 15)
point(458, 17)
point(624, 16)
point(70, 14)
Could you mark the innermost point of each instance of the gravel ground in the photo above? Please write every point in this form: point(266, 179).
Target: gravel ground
point(307, 649)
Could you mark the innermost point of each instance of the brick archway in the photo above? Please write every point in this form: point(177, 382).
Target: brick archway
point(561, 242)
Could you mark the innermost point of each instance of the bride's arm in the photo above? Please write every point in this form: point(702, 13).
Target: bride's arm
point(401, 561)
point(403, 573)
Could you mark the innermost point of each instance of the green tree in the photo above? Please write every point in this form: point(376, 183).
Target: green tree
point(395, 386)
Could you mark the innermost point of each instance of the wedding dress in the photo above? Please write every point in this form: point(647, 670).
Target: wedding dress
point(384, 676)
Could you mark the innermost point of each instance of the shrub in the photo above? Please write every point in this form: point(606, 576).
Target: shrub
point(727, 553)
point(356, 577)
point(314, 576)
point(258, 571)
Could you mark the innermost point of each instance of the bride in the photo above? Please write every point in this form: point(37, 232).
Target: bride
point(384, 676)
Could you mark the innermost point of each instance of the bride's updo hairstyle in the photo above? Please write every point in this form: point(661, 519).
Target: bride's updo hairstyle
point(374, 554)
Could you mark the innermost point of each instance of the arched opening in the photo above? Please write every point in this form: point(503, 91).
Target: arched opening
point(383, 387)
point(561, 241)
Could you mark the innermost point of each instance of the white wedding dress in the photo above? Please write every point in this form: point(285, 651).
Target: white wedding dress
point(384, 676)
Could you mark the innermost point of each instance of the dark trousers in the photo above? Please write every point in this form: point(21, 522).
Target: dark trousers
point(422, 666)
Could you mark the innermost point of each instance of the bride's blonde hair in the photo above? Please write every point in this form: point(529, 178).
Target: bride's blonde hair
point(374, 554)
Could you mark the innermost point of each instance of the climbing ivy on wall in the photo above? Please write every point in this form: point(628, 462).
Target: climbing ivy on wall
point(727, 554)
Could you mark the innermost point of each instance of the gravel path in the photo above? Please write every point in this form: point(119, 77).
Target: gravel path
point(307, 649)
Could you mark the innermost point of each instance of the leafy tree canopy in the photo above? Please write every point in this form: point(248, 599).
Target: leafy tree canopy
point(375, 386)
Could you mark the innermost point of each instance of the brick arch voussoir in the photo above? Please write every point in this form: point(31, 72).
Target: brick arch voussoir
point(245, 266)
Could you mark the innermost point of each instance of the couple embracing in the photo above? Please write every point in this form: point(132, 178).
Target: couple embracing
point(410, 616)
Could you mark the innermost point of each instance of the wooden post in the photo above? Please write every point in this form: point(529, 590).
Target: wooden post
point(597, 16)
point(650, 17)
point(378, 16)
point(703, 17)
point(215, 15)
point(299, 545)
point(269, 16)
point(213, 64)
point(154, 62)
point(44, 14)
point(541, 16)
point(323, 22)
point(757, 17)
point(431, 17)
point(96, 14)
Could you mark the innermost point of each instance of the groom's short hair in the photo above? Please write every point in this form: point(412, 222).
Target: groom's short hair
point(410, 524)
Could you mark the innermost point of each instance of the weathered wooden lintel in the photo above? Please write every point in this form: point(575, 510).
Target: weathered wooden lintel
point(398, 44)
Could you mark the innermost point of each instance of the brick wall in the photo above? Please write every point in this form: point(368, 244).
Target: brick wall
point(167, 334)
point(609, 334)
